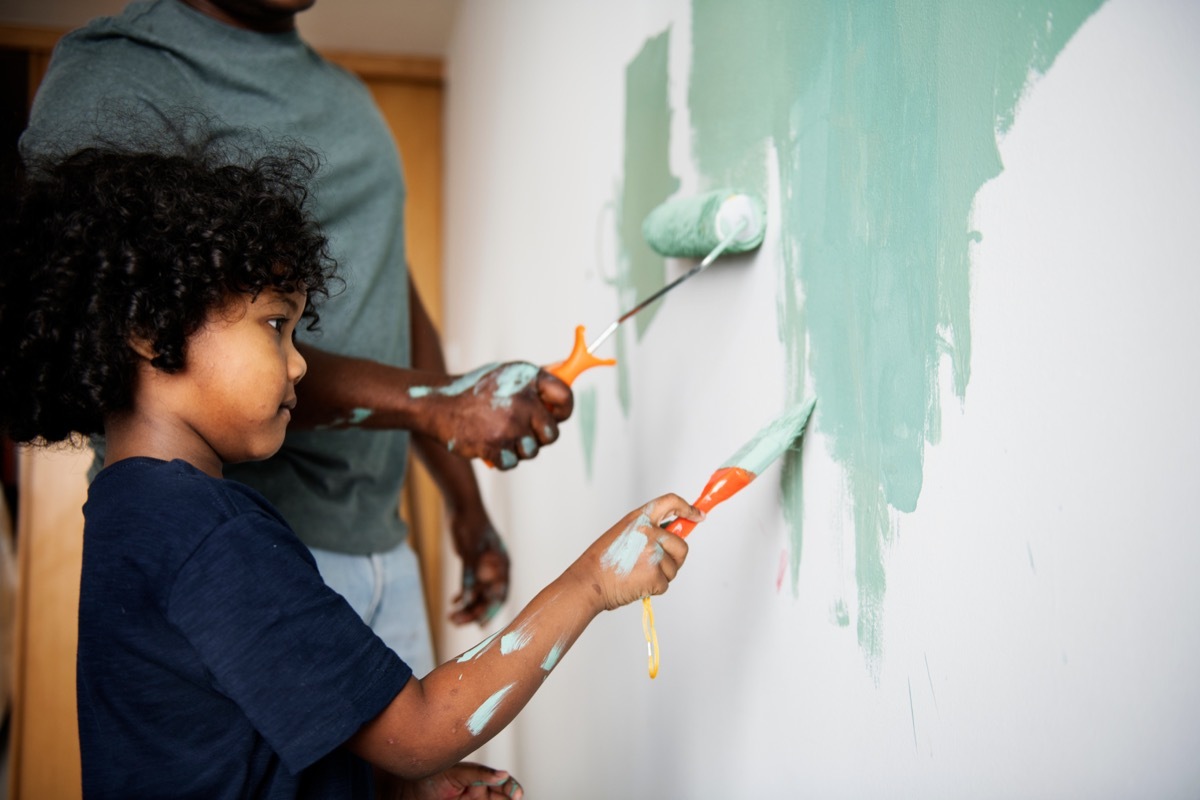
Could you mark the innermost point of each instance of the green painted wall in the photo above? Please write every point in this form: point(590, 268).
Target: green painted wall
point(883, 118)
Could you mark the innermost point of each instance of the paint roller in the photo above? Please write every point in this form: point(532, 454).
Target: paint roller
point(702, 226)
point(706, 225)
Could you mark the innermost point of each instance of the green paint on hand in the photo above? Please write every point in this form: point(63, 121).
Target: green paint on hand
point(511, 381)
point(883, 118)
point(622, 555)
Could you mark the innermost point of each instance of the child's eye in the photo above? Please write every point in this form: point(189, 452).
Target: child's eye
point(277, 323)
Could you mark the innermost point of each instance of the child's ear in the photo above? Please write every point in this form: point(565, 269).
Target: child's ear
point(143, 347)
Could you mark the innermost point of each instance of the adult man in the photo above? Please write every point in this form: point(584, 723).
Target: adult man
point(375, 369)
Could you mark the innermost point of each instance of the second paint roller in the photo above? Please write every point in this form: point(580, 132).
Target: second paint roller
point(704, 226)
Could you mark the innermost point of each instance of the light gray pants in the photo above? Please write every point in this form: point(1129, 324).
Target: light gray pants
point(385, 590)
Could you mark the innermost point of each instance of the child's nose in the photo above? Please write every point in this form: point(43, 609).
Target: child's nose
point(297, 366)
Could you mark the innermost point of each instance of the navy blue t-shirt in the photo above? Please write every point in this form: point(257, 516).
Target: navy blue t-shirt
point(213, 661)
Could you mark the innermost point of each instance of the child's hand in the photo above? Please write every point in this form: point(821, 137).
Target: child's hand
point(636, 557)
point(464, 781)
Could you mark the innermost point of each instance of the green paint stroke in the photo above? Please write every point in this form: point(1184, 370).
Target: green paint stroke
point(483, 715)
point(585, 413)
point(883, 118)
point(647, 183)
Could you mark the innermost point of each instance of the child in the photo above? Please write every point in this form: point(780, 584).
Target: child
point(153, 297)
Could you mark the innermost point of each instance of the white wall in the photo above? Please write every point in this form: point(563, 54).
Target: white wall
point(1042, 635)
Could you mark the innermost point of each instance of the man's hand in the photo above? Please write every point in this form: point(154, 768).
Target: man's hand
point(502, 413)
point(485, 571)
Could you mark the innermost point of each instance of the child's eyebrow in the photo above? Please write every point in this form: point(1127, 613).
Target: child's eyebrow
point(289, 301)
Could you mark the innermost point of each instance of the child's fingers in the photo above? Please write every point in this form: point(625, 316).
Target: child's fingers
point(675, 547)
point(669, 506)
point(667, 553)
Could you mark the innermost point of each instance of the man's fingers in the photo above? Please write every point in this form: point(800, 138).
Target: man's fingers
point(555, 395)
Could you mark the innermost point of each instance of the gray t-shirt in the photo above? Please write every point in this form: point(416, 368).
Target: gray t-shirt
point(339, 489)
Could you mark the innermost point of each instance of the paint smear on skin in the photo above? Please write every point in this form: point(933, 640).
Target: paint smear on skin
point(585, 414)
point(360, 415)
point(475, 651)
point(516, 639)
point(529, 446)
point(551, 660)
point(464, 383)
point(483, 715)
point(512, 380)
point(508, 459)
point(657, 554)
point(883, 118)
point(647, 183)
point(623, 553)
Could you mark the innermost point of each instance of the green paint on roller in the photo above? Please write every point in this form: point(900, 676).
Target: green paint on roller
point(882, 118)
point(692, 227)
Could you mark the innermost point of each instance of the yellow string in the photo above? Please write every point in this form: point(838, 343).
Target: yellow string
point(651, 636)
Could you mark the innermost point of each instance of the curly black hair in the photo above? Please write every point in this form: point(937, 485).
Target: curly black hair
point(107, 245)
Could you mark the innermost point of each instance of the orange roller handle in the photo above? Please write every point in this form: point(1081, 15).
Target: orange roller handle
point(724, 484)
point(579, 361)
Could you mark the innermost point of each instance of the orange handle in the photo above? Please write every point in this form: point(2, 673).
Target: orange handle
point(579, 361)
point(724, 484)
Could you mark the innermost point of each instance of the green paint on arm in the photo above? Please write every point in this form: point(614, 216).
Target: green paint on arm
point(515, 639)
point(552, 657)
point(483, 715)
point(475, 651)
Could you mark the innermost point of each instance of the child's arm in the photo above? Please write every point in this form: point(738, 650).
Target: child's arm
point(434, 722)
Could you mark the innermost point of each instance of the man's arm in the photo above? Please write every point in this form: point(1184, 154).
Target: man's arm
point(484, 558)
point(502, 413)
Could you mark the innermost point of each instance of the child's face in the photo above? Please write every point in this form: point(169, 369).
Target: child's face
point(241, 375)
